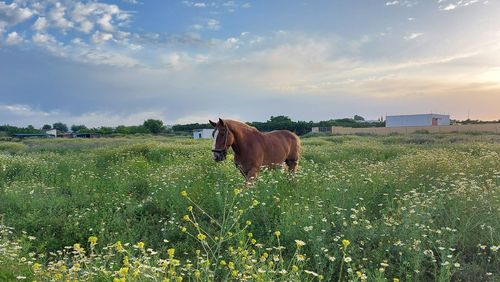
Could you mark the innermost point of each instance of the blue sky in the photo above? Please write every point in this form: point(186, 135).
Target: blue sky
point(120, 62)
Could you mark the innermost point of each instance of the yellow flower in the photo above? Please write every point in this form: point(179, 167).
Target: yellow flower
point(295, 268)
point(92, 240)
point(184, 193)
point(237, 191)
point(184, 229)
point(119, 246)
point(201, 237)
point(231, 265)
point(171, 252)
point(36, 266)
point(301, 257)
point(345, 243)
point(186, 217)
point(234, 273)
point(255, 203)
point(248, 222)
point(119, 279)
point(123, 271)
point(190, 208)
point(277, 233)
point(77, 247)
point(253, 241)
point(197, 274)
point(125, 261)
point(176, 262)
point(222, 262)
point(179, 279)
point(140, 245)
point(395, 280)
point(300, 243)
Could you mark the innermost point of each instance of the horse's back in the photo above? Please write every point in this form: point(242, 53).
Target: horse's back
point(281, 145)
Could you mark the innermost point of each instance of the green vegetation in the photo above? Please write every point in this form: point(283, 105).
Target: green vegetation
point(421, 207)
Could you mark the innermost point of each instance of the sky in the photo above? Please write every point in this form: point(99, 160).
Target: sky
point(109, 63)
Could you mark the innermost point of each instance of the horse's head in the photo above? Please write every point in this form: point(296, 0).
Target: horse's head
point(223, 139)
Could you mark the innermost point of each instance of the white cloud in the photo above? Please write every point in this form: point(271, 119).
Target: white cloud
point(101, 37)
point(213, 24)
point(455, 4)
point(390, 3)
point(14, 38)
point(413, 36)
point(57, 17)
point(40, 24)
point(42, 38)
point(12, 14)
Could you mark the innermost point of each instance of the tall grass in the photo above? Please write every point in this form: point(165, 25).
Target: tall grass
point(416, 208)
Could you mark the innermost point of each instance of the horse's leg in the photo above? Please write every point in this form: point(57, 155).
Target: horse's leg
point(251, 175)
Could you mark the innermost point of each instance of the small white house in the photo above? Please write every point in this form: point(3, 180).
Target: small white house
point(202, 133)
point(417, 120)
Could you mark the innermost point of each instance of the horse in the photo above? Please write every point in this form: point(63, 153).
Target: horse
point(254, 149)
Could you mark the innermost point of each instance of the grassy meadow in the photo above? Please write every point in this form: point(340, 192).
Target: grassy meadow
point(361, 208)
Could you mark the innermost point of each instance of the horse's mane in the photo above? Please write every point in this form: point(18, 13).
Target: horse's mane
point(237, 125)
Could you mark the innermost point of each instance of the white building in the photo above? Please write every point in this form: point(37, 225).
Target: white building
point(203, 133)
point(417, 120)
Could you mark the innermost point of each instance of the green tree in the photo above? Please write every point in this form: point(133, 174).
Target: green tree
point(153, 125)
point(78, 128)
point(360, 118)
point(47, 127)
point(60, 126)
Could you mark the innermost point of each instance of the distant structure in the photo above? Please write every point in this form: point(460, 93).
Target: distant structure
point(48, 134)
point(417, 120)
point(202, 133)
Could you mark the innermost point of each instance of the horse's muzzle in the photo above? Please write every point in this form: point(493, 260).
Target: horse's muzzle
point(219, 155)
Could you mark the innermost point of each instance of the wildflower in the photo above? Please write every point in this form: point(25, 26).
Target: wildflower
point(277, 233)
point(255, 203)
point(119, 246)
point(237, 191)
point(201, 236)
point(222, 262)
point(347, 259)
point(123, 271)
point(184, 229)
point(119, 279)
point(171, 252)
point(300, 243)
point(186, 217)
point(36, 266)
point(248, 222)
point(92, 240)
point(395, 280)
point(456, 264)
point(230, 265)
point(176, 262)
point(184, 194)
point(179, 278)
point(140, 245)
point(301, 257)
point(197, 274)
point(295, 268)
point(345, 243)
point(190, 208)
point(234, 273)
point(125, 261)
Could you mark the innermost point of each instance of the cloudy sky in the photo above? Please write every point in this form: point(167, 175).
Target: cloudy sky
point(120, 62)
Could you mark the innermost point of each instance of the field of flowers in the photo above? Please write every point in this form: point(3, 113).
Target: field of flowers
point(361, 208)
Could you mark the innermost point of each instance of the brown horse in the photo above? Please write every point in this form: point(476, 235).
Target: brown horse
point(254, 149)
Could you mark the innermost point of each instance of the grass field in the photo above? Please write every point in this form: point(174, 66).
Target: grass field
point(361, 208)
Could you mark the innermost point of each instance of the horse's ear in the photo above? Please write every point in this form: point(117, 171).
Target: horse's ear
point(221, 122)
point(212, 123)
